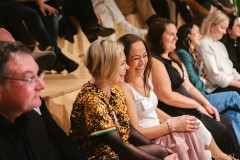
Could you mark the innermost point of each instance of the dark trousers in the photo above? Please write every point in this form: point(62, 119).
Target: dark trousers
point(43, 29)
point(161, 8)
point(82, 10)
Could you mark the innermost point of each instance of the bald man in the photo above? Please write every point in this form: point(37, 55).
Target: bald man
point(5, 35)
point(45, 59)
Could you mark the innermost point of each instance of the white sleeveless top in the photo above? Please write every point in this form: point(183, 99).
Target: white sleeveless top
point(146, 106)
point(147, 115)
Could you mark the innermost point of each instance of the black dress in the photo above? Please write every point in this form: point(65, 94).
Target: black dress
point(222, 132)
point(233, 48)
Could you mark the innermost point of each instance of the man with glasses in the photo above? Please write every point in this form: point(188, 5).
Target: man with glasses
point(24, 134)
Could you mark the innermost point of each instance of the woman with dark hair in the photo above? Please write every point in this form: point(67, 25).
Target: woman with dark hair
point(176, 95)
point(227, 103)
point(185, 134)
point(232, 42)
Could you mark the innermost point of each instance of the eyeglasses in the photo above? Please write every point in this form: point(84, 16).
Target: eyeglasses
point(31, 80)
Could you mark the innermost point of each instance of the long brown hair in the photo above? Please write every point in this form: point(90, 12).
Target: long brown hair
point(154, 38)
point(184, 42)
point(127, 41)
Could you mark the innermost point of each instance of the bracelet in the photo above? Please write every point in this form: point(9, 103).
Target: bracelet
point(168, 128)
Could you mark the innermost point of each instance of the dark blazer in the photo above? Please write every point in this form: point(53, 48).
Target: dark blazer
point(35, 132)
point(68, 150)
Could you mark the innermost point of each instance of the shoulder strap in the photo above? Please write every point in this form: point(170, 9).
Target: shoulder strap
point(155, 55)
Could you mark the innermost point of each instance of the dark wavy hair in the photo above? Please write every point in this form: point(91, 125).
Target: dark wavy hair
point(127, 40)
point(183, 42)
point(154, 38)
point(232, 19)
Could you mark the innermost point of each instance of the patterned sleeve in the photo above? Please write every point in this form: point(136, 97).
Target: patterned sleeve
point(98, 119)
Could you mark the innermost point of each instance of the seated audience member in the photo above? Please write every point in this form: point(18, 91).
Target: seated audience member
point(220, 74)
point(43, 26)
point(182, 134)
point(144, 7)
point(84, 12)
point(110, 15)
point(223, 5)
point(99, 120)
point(232, 43)
point(23, 132)
point(227, 103)
point(64, 145)
point(176, 95)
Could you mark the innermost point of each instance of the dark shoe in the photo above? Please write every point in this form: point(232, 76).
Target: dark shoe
point(44, 59)
point(67, 28)
point(69, 64)
point(58, 67)
point(98, 30)
point(92, 38)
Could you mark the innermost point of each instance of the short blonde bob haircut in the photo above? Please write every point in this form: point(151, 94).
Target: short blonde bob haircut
point(213, 18)
point(103, 59)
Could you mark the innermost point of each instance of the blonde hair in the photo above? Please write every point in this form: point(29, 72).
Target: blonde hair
point(103, 59)
point(213, 18)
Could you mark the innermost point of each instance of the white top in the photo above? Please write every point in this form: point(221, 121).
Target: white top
point(146, 106)
point(148, 117)
point(218, 66)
